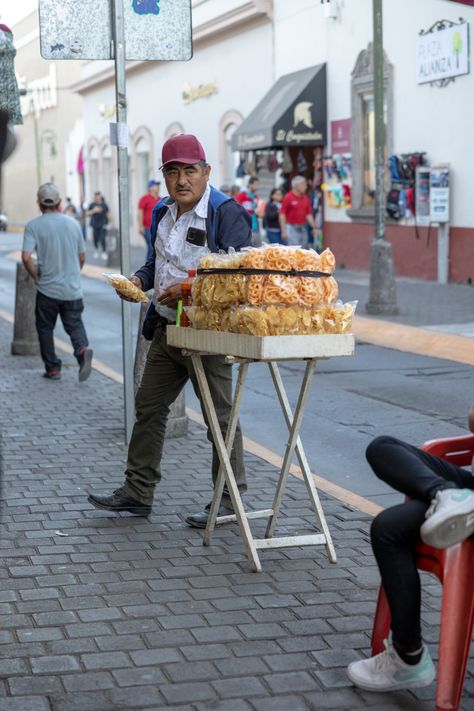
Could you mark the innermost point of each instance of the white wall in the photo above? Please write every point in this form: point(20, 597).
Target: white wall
point(241, 67)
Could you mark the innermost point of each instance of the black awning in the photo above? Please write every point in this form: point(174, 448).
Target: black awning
point(292, 113)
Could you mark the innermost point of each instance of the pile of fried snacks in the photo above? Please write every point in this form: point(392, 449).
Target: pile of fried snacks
point(269, 275)
point(275, 320)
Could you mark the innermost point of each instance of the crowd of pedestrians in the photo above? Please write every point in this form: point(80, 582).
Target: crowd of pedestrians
point(285, 218)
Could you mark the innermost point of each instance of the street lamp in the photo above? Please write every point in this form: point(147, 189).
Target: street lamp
point(382, 291)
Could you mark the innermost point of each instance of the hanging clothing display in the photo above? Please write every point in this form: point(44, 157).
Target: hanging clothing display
point(287, 164)
point(301, 163)
point(9, 94)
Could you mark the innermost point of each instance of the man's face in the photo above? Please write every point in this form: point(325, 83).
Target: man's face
point(300, 188)
point(153, 190)
point(253, 187)
point(186, 184)
point(97, 198)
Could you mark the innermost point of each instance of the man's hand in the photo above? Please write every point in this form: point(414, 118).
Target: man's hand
point(135, 280)
point(171, 296)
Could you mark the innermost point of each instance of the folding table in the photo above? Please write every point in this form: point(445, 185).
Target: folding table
point(244, 350)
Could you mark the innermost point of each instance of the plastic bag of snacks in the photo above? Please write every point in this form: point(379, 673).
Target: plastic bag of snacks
point(276, 320)
point(272, 274)
point(126, 288)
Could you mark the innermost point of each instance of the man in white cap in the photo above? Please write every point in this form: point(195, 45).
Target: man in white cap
point(59, 246)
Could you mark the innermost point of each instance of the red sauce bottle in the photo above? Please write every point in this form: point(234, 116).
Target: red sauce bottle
point(186, 287)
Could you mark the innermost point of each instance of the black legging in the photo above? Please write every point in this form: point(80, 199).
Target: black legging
point(396, 530)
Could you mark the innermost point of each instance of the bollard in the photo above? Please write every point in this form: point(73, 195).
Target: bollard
point(177, 425)
point(112, 247)
point(25, 338)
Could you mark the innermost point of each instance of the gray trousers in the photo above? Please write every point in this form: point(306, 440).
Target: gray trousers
point(165, 374)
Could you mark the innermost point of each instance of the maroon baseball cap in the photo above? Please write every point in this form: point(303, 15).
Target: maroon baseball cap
point(182, 148)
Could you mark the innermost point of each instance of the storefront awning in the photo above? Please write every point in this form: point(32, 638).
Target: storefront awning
point(292, 113)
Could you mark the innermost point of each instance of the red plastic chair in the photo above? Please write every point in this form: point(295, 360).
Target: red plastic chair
point(454, 567)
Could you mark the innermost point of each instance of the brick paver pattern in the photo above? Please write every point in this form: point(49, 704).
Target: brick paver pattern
point(102, 612)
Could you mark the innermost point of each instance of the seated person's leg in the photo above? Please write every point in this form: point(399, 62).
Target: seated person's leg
point(407, 664)
point(448, 488)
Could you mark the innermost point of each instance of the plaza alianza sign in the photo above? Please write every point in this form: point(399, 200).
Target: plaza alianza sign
point(442, 54)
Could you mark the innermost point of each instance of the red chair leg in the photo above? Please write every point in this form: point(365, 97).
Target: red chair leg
point(382, 619)
point(457, 620)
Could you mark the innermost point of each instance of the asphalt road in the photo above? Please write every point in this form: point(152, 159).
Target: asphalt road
point(377, 391)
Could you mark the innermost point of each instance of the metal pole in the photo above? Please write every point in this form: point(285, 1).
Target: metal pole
point(118, 34)
point(38, 147)
point(379, 121)
point(382, 291)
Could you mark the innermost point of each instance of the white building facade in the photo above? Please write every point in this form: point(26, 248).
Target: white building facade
point(242, 47)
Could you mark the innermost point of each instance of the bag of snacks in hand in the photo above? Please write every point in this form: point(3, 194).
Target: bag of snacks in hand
point(126, 288)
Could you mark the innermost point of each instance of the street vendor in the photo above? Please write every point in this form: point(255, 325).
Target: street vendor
point(194, 220)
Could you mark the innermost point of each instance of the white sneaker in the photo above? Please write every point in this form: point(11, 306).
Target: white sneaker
point(387, 672)
point(450, 518)
point(96, 254)
point(104, 256)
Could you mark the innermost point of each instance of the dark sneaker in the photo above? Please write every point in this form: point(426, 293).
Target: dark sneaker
point(199, 520)
point(52, 375)
point(119, 501)
point(85, 364)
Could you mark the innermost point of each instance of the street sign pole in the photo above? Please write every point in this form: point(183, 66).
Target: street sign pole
point(382, 292)
point(379, 122)
point(118, 39)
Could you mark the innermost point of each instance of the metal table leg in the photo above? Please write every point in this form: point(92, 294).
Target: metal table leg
point(229, 441)
point(303, 462)
point(220, 445)
point(294, 428)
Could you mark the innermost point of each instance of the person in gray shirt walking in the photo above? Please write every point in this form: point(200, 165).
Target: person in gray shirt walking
point(59, 246)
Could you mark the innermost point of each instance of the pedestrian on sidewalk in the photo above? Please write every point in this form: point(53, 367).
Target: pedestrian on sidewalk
point(295, 213)
point(194, 220)
point(248, 198)
point(145, 208)
point(99, 217)
point(57, 241)
point(441, 511)
point(271, 220)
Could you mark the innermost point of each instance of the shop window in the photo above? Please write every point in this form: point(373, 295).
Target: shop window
point(363, 132)
point(368, 147)
point(228, 158)
point(173, 129)
point(143, 163)
point(107, 173)
point(232, 158)
point(93, 169)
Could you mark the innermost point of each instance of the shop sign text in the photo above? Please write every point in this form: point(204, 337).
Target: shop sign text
point(442, 54)
point(203, 91)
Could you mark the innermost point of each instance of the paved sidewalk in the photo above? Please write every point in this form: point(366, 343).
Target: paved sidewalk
point(101, 612)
